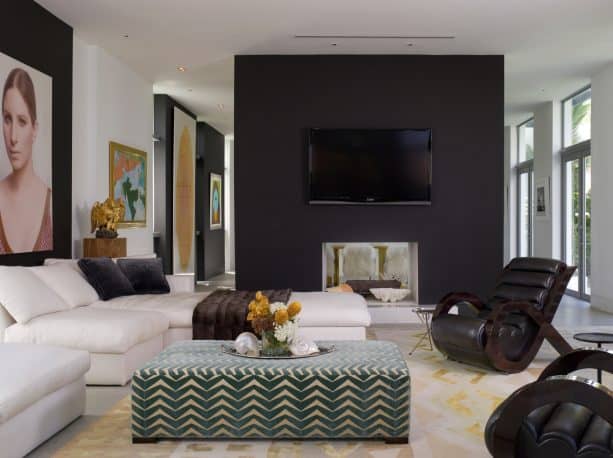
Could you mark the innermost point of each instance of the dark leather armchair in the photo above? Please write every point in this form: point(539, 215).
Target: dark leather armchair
point(559, 415)
point(506, 331)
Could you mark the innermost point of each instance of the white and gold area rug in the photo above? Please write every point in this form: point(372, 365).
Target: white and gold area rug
point(450, 404)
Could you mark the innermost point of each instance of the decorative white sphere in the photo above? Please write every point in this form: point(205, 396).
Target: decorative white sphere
point(247, 344)
point(301, 347)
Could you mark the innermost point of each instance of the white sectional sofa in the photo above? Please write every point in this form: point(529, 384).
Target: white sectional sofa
point(42, 389)
point(123, 333)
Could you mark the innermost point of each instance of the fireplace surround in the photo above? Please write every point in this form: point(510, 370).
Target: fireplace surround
point(346, 261)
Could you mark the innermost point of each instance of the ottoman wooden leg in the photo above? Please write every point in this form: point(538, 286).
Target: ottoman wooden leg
point(397, 440)
point(144, 440)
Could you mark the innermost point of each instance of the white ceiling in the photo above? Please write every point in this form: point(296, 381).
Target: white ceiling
point(551, 46)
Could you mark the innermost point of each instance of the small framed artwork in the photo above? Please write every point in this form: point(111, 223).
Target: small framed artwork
point(542, 198)
point(128, 182)
point(215, 202)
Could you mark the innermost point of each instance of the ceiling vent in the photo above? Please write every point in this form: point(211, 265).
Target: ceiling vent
point(378, 37)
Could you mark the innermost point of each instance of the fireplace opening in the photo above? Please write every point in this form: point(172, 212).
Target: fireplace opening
point(370, 265)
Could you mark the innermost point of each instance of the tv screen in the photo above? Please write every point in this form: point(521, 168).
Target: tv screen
point(371, 166)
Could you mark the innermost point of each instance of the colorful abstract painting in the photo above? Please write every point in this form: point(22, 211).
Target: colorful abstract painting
point(215, 201)
point(128, 182)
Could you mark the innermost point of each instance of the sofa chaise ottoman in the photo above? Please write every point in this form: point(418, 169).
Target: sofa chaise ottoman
point(42, 389)
point(332, 316)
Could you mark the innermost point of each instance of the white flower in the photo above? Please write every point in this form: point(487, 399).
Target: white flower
point(277, 306)
point(286, 332)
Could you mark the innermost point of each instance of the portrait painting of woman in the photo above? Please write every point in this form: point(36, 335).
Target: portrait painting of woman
point(26, 222)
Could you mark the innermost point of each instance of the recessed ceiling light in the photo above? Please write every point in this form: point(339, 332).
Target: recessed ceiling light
point(181, 68)
point(409, 44)
point(333, 44)
point(126, 35)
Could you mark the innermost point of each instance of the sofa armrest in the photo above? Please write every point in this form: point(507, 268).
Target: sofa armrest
point(181, 283)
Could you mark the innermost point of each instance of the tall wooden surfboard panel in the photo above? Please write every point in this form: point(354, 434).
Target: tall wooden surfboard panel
point(184, 210)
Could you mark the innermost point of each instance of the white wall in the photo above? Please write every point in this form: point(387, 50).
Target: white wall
point(110, 103)
point(229, 205)
point(547, 146)
point(602, 190)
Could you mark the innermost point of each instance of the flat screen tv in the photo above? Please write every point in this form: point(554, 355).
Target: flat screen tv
point(370, 166)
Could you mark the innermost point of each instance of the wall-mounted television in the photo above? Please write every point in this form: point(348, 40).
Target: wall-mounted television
point(370, 166)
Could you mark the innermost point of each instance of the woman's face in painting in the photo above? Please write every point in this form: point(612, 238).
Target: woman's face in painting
point(18, 128)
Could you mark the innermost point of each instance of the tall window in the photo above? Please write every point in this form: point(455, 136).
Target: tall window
point(525, 140)
point(577, 189)
point(577, 118)
point(525, 180)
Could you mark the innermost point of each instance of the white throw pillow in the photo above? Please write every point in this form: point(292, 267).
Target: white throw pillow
point(67, 283)
point(25, 296)
point(72, 263)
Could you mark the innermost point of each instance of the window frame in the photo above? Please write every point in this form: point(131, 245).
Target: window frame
point(518, 129)
point(563, 130)
point(521, 168)
point(579, 151)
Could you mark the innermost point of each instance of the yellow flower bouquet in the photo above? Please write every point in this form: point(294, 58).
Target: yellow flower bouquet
point(275, 323)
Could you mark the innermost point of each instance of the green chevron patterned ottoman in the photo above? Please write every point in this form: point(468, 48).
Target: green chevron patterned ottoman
point(193, 390)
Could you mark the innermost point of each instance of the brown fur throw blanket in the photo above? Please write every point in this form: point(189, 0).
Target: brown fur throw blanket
point(223, 314)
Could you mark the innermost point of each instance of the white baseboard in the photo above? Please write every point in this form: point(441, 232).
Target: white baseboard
point(601, 303)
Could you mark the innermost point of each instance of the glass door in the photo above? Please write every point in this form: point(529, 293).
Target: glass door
point(577, 171)
point(524, 226)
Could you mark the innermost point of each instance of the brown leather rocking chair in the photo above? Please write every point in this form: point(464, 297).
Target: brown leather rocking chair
point(506, 331)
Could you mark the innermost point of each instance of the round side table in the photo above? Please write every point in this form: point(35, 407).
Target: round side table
point(598, 338)
point(425, 316)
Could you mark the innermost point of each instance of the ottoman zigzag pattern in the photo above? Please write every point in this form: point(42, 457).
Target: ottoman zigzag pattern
point(192, 390)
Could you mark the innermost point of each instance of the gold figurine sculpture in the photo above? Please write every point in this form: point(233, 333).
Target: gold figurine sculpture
point(105, 216)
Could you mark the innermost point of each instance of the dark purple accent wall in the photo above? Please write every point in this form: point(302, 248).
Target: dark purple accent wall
point(279, 235)
point(210, 145)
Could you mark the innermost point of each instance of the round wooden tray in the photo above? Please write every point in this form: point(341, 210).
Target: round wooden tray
point(230, 350)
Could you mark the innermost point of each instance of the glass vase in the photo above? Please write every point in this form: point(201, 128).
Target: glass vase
point(272, 347)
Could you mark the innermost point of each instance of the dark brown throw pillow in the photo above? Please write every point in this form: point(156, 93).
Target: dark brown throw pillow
point(106, 278)
point(145, 275)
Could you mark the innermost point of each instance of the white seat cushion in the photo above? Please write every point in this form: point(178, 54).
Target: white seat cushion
point(178, 308)
point(67, 283)
point(31, 372)
point(94, 329)
point(332, 309)
point(25, 296)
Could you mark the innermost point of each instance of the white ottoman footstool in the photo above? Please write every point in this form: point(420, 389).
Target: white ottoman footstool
point(332, 316)
point(42, 389)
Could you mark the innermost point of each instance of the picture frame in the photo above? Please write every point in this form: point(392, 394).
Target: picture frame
point(34, 90)
point(128, 181)
point(542, 198)
point(215, 202)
